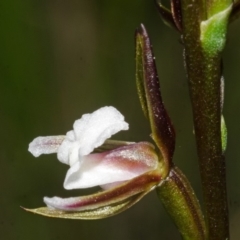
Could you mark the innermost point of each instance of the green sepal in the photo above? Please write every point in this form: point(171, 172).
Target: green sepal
point(150, 96)
point(99, 213)
point(181, 203)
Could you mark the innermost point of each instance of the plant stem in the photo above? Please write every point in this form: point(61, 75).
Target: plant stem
point(204, 73)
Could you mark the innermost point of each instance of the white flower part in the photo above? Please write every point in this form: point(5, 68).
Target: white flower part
point(90, 132)
point(112, 167)
point(45, 145)
point(86, 173)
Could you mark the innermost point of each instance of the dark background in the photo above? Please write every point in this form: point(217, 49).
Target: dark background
point(60, 59)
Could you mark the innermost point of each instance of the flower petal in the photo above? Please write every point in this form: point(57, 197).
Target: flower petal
point(117, 165)
point(45, 145)
point(90, 132)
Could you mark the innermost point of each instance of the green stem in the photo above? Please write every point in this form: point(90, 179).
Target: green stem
point(203, 65)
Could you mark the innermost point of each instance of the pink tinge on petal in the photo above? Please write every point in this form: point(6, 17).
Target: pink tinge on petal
point(117, 165)
point(45, 145)
point(142, 183)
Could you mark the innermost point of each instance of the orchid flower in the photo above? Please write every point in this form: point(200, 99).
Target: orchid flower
point(122, 172)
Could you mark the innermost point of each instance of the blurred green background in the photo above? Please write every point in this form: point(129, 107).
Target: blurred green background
point(60, 59)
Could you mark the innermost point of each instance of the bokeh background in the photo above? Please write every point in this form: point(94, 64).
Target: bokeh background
point(60, 59)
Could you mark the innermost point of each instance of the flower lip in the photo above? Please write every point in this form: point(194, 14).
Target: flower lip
point(121, 164)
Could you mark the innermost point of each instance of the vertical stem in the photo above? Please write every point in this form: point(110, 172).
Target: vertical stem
point(204, 74)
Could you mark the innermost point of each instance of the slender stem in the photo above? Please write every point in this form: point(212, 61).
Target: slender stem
point(204, 74)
